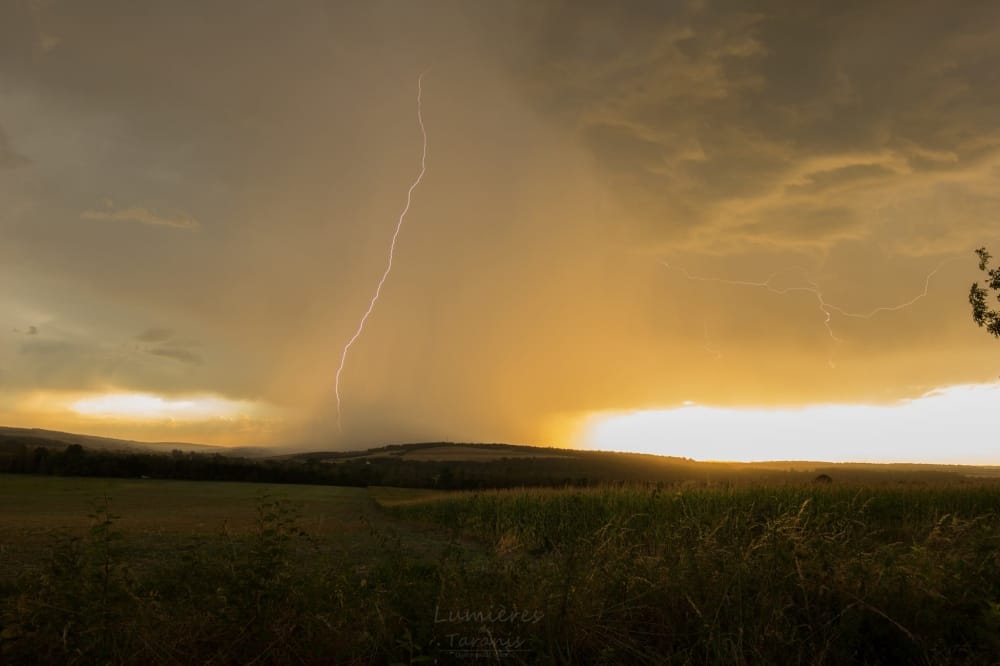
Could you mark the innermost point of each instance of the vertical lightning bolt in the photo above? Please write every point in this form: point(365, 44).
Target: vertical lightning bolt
point(825, 307)
point(392, 248)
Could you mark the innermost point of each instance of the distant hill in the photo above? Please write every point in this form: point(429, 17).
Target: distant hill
point(439, 451)
point(450, 465)
point(533, 463)
point(34, 437)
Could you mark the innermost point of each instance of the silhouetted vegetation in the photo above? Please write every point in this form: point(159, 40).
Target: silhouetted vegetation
point(28, 457)
point(395, 466)
point(746, 575)
point(978, 295)
point(629, 574)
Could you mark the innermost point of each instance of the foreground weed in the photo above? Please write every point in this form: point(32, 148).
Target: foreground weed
point(82, 595)
point(629, 574)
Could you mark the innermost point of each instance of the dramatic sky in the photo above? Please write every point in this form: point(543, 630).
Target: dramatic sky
point(661, 226)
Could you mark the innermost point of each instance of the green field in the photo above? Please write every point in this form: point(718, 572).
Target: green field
point(38, 502)
point(176, 572)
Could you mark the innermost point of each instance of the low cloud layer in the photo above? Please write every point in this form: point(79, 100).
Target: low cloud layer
point(143, 216)
point(178, 354)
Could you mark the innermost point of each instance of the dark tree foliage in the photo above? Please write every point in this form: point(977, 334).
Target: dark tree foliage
point(26, 455)
point(981, 313)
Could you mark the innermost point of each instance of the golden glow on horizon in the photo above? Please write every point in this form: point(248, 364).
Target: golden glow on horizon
point(206, 418)
point(143, 406)
point(949, 425)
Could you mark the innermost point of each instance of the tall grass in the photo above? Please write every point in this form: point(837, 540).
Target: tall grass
point(633, 574)
point(747, 575)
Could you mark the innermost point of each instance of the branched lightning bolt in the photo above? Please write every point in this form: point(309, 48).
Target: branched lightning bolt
point(825, 307)
point(392, 247)
point(892, 308)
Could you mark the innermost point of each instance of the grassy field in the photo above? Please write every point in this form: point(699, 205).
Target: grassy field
point(39, 502)
point(173, 572)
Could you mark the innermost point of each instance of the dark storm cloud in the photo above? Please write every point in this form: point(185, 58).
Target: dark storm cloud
point(61, 364)
point(178, 354)
point(804, 225)
point(10, 158)
point(699, 110)
point(155, 334)
point(78, 362)
point(143, 216)
point(49, 348)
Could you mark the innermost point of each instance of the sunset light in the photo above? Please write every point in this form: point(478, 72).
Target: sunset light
point(960, 417)
point(140, 406)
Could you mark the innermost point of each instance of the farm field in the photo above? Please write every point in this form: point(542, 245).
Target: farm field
point(172, 572)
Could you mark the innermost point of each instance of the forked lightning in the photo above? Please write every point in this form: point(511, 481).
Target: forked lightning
point(392, 249)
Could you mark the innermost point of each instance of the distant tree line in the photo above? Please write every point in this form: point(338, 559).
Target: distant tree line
point(23, 455)
point(75, 460)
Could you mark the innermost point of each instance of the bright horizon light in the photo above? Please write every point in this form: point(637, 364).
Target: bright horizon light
point(147, 406)
point(952, 425)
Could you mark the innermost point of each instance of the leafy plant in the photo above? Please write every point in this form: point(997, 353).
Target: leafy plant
point(978, 295)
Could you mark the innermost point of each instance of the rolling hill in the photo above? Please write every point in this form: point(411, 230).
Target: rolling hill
point(473, 465)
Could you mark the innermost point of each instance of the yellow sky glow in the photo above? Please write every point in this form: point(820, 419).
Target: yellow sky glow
point(952, 425)
point(146, 416)
point(143, 406)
